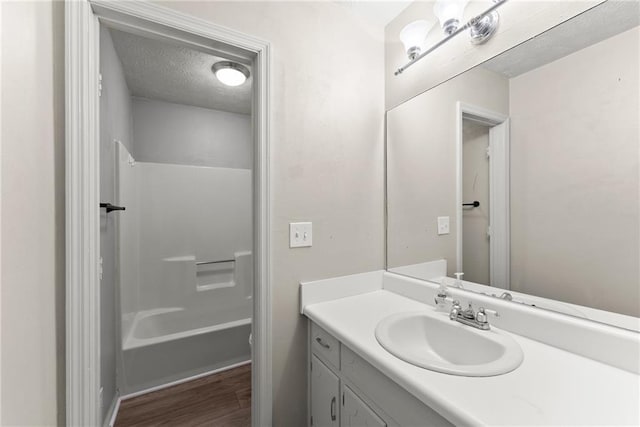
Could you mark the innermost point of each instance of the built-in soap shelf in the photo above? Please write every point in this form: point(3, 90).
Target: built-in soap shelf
point(203, 275)
point(212, 275)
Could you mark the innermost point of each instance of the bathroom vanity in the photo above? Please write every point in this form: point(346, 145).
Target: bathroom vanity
point(347, 390)
point(562, 380)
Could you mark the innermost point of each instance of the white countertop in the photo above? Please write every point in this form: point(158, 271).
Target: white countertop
point(551, 387)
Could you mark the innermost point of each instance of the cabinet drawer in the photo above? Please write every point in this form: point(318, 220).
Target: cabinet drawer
point(325, 346)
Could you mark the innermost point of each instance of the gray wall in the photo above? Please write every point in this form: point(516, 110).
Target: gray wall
point(165, 132)
point(115, 124)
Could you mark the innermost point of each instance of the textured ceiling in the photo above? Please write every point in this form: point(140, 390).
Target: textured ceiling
point(597, 24)
point(159, 70)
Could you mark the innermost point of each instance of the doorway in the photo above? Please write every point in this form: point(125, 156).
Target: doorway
point(482, 226)
point(176, 234)
point(87, 219)
point(475, 202)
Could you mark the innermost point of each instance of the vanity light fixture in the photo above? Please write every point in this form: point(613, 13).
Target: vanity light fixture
point(413, 36)
point(230, 73)
point(449, 12)
point(481, 28)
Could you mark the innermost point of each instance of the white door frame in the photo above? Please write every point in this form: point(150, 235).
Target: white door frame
point(499, 190)
point(82, 26)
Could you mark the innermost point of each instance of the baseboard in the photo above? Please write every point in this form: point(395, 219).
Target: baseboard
point(183, 380)
point(110, 419)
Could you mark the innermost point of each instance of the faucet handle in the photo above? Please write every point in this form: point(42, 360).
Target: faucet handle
point(481, 316)
point(492, 312)
point(455, 309)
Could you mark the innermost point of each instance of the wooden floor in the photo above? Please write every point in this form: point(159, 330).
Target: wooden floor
point(222, 399)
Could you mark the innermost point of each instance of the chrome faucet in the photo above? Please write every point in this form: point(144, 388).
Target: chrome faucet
point(470, 317)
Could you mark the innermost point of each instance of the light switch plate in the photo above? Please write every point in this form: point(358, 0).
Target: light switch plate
point(443, 225)
point(300, 234)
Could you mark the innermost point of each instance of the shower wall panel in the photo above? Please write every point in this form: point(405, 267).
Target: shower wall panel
point(191, 215)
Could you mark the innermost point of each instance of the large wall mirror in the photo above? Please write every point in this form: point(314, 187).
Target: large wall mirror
point(523, 172)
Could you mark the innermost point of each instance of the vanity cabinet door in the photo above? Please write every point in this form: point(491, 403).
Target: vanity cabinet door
point(325, 391)
point(356, 413)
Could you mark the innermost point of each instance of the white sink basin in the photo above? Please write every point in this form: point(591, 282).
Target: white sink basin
point(432, 341)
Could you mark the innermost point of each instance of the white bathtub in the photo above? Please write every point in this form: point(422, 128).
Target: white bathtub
point(169, 344)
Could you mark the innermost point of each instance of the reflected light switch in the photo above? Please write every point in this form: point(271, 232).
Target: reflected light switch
point(300, 234)
point(443, 225)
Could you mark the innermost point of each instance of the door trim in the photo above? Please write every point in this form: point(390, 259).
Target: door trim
point(499, 266)
point(499, 206)
point(82, 26)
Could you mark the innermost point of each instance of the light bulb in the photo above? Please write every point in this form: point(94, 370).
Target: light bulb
point(230, 73)
point(449, 13)
point(230, 77)
point(413, 36)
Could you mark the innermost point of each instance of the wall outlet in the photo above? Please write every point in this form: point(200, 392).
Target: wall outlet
point(300, 234)
point(443, 225)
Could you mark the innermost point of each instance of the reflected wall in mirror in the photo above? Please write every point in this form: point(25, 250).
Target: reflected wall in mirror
point(534, 158)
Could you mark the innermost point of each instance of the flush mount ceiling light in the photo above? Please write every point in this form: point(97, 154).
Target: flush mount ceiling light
point(413, 36)
point(230, 73)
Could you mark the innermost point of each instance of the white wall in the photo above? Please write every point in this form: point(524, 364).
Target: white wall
point(421, 172)
point(165, 132)
point(574, 177)
point(32, 193)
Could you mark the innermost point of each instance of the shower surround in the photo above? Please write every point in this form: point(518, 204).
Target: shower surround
point(185, 270)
